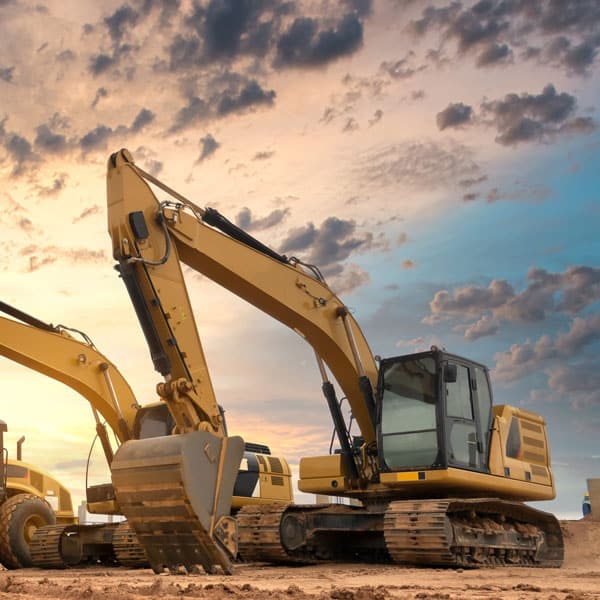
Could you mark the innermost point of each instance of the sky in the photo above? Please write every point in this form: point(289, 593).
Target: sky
point(438, 160)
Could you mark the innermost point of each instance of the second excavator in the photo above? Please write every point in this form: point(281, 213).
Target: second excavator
point(441, 475)
point(26, 539)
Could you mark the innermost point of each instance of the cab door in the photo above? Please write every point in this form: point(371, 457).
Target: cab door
point(466, 441)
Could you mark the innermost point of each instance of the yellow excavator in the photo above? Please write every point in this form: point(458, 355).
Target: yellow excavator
point(440, 474)
point(60, 541)
point(29, 498)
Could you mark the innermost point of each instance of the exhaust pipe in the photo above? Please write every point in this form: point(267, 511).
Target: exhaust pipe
point(20, 447)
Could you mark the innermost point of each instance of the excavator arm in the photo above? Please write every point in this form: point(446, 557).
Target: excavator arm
point(54, 352)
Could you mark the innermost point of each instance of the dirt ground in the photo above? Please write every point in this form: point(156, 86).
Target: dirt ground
point(578, 579)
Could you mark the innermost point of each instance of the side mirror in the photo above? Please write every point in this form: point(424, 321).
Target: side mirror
point(450, 373)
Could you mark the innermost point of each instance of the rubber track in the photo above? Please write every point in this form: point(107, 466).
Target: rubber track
point(259, 538)
point(128, 551)
point(419, 533)
point(259, 533)
point(45, 547)
point(423, 533)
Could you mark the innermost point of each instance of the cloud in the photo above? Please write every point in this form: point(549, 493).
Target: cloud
point(362, 7)
point(102, 62)
point(195, 111)
point(147, 158)
point(18, 149)
point(523, 117)
point(184, 53)
point(240, 95)
point(471, 181)
point(579, 383)
point(6, 74)
point(58, 185)
point(228, 28)
point(249, 96)
point(482, 328)
point(377, 116)
point(95, 139)
point(49, 142)
point(166, 9)
point(523, 359)
point(354, 90)
point(87, 212)
point(349, 279)
point(582, 287)
point(125, 16)
point(100, 93)
point(264, 155)
point(568, 292)
point(454, 115)
point(528, 117)
point(471, 300)
point(494, 54)
point(302, 45)
point(418, 165)
point(246, 221)
point(223, 31)
point(350, 125)
point(419, 344)
point(328, 245)
point(209, 147)
point(490, 29)
point(98, 137)
point(143, 118)
point(41, 256)
point(401, 68)
point(25, 224)
point(66, 55)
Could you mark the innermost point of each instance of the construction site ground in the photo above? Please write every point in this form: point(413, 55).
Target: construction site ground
point(578, 579)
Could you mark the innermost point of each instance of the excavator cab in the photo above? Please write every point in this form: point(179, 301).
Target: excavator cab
point(437, 431)
point(435, 412)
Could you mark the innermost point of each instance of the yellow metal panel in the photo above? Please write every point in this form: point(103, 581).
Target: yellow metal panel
point(593, 486)
point(330, 465)
point(324, 485)
point(461, 482)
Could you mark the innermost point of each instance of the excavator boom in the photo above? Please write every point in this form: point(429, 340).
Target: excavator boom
point(175, 490)
point(55, 353)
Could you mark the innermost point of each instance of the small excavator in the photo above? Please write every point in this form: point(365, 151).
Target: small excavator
point(440, 474)
point(30, 533)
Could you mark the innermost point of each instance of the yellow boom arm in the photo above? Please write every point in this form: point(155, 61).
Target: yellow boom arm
point(76, 364)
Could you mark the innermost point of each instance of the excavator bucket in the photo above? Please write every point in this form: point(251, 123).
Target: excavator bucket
point(176, 494)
